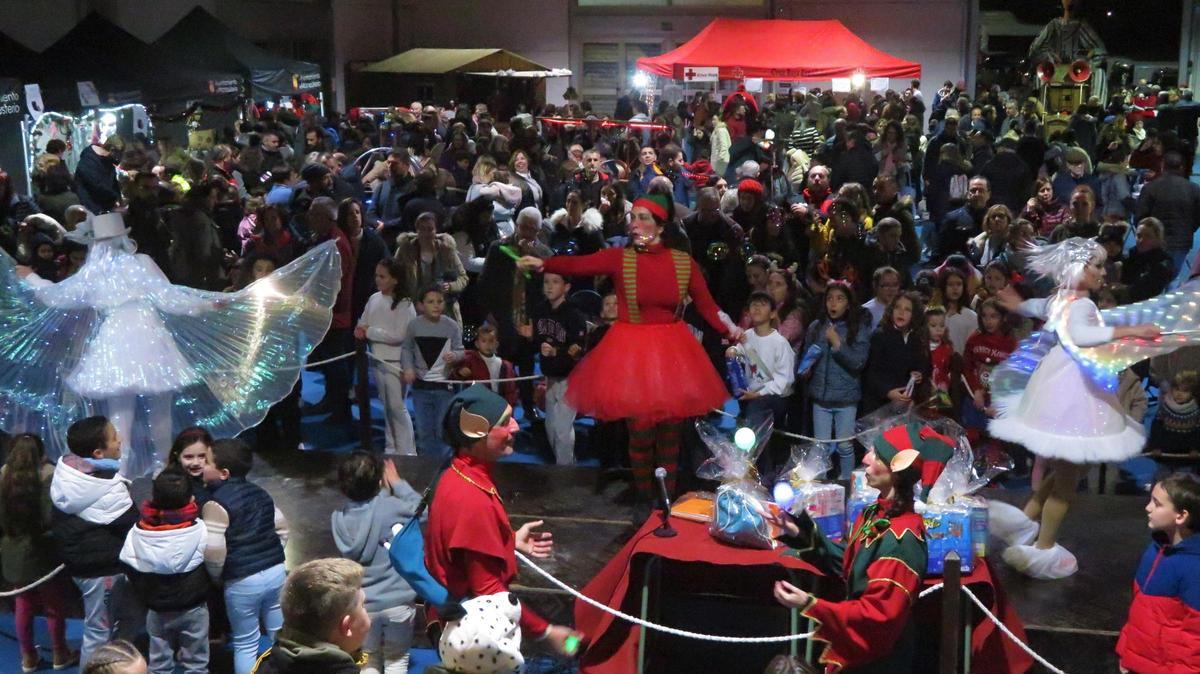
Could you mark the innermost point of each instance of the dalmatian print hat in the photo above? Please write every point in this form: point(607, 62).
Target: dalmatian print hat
point(487, 640)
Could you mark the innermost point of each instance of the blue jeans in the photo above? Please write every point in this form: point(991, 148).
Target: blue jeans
point(429, 406)
point(837, 422)
point(110, 611)
point(250, 601)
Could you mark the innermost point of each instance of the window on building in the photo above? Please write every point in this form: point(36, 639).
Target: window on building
point(608, 69)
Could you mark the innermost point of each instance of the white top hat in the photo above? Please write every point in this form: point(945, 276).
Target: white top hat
point(107, 226)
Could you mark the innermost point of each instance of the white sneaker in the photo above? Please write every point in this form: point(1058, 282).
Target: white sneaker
point(1010, 524)
point(1052, 564)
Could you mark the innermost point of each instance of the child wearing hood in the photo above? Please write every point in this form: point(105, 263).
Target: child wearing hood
point(378, 500)
point(92, 514)
point(164, 559)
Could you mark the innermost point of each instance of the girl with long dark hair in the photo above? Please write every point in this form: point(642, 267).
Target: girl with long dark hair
point(836, 352)
point(27, 551)
point(191, 452)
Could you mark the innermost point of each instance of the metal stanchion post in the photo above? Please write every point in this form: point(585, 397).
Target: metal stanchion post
point(362, 393)
point(951, 614)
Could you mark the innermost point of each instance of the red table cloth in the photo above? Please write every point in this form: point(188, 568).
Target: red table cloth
point(613, 643)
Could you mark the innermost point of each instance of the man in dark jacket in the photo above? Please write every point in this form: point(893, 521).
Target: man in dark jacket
point(387, 204)
point(324, 621)
point(1149, 268)
point(857, 164)
point(508, 295)
point(96, 175)
point(959, 225)
point(92, 514)
point(716, 244)
point(1175, 201)
point(1010, 179)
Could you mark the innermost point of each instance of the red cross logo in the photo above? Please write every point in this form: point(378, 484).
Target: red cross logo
point(689, 74)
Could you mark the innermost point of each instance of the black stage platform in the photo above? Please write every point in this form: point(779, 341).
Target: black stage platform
point(1072, 622)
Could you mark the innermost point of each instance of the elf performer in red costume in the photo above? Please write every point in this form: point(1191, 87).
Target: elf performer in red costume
point(883, 560)
point(469, 547)
point(649, 369)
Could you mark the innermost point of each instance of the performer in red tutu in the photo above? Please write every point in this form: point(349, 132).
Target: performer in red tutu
point(649, 369)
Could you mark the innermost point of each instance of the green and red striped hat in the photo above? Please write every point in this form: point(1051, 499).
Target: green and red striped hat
point(915, 444)
point(659, 205)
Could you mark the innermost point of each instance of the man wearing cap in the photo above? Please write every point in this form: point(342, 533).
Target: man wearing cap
point(883, 560)
point(1076, 170)
point(315, 181)
point(470, 544)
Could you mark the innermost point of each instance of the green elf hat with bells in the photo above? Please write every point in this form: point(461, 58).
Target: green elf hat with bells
point(473, 413)
point(906, 445)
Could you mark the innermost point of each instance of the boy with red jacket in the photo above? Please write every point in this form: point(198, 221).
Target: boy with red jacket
point(483, 364)
point(1164, 617)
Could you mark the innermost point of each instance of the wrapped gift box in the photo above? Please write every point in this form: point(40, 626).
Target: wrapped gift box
point(826, 505)
point(948, 528)
point(979, 524)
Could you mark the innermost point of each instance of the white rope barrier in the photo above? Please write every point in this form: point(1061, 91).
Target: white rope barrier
point(327, 361)
point(659, 628)
point(398, 370)
point(1003, 628)
point(807, 438)
point(763, 640)
point(44, 579)
point(1010, 635)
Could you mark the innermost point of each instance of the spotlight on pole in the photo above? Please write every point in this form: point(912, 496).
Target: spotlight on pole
point(858, 79)
point(641, 80)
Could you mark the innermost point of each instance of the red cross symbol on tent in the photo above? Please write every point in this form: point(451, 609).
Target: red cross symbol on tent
point(689, 74)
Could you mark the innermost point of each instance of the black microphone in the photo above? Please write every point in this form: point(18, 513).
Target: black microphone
point(664, 530)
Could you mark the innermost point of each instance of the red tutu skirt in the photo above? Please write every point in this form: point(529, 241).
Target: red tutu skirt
point(652, 372)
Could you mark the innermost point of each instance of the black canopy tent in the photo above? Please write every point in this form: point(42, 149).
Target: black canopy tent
point(124, 69)
point(15, 58)
point(203, 40)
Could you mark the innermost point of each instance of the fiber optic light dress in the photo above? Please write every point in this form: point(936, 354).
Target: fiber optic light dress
point(649, 365)
point(118, 329)
point(1056, 394)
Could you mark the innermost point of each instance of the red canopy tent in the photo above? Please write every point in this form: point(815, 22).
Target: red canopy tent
point(776, 49)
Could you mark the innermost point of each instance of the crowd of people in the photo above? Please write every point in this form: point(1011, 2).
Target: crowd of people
point(858, 249)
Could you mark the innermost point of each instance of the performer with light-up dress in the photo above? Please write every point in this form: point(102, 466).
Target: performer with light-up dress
point(118, 330)
point(1056, 394)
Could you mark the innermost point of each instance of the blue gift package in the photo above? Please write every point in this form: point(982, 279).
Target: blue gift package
point(948, 528)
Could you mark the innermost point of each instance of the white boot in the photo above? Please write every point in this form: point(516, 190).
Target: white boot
point(1052, 564)
point(1010, 524)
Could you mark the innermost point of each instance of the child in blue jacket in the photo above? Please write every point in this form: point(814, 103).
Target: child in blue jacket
point(1160, 636)
point(836, 351)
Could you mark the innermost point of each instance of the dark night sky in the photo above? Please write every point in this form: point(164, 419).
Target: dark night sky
point(1145, 30)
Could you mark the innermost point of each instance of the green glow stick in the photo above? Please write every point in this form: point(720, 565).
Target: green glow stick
point(507, 250)
point(571, 645)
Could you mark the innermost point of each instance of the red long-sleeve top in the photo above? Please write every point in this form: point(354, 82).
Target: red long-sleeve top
point(657, 284)
point(470, 545)
point(982, 354)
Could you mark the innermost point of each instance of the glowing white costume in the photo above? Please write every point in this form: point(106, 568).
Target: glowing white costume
point(118, 330)
point(1063, 413)
point(1056, 395)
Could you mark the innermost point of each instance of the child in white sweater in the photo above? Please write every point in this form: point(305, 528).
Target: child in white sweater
point(384, 324)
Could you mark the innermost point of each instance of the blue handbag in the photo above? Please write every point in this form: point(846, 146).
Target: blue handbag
point(407, 555)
